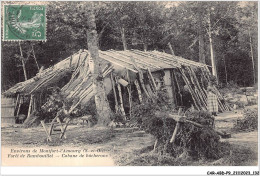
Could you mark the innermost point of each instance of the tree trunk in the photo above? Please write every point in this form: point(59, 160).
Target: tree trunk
point(123, 38)
point(102, 105)
point(23, 63)
point(213, 63)
point(225, 66)
point(201, 39)
point(252, 55)
point(35, 59)
point(201, 49)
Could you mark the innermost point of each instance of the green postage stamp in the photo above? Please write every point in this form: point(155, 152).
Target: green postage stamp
point(24, 22)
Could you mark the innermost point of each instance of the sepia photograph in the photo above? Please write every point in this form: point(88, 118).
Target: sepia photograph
point(130, 83)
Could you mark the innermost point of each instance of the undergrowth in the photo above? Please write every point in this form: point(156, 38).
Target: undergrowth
point(197, 142)
point(249, 122)
point(230, 155)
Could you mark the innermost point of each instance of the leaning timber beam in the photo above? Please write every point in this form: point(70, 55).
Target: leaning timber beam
point(138, 91)
point(114, 91)
point(19, 106)
point(17, 102)
point(153, 81)
point(173, 88)
point(178, 87)
point(30, 106)
point(45, 129)
point(120, 98)
point(196, 83)
point(141, 77)
point(190, 89)
point(129, 94)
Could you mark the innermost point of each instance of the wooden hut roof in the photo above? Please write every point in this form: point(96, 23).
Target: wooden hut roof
point(130, 59)
point(154, 60)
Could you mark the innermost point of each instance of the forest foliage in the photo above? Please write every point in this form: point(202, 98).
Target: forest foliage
point(147, 26)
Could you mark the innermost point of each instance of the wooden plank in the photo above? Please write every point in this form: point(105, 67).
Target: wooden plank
point(168, 84)
point(179, 59)
point(157, 59)
point(116, 63)
point(109, 56)
point(141, 62)
point(139, 59)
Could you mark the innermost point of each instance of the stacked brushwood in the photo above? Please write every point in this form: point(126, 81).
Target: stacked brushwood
point(56, 105)
point(197, 80)
point(197, 142)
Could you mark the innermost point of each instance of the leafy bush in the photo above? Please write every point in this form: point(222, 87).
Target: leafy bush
point(198, 142)
point(249, 121)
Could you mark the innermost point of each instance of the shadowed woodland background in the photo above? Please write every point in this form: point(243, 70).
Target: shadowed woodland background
point(151, 26)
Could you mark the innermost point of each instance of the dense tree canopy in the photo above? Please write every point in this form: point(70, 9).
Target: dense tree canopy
point(188, 26)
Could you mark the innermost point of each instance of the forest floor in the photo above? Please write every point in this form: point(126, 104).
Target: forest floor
point(128, 146)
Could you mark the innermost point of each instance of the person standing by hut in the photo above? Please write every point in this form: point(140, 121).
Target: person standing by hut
point(212, 101)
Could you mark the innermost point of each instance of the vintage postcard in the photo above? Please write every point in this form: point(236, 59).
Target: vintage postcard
point(131, 83)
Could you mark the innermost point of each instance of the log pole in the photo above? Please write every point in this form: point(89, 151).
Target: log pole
point(129, 93)
point(138, 91)
point(45, 129)
point(121, 99)
point(170, 46)
point(153, 81)
point(30, 106)
point(65, 128)
point(175, 132)
point(17, 101)
point(23, 61)
point(19, 106)
point(114, 90)
point(61, 128)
